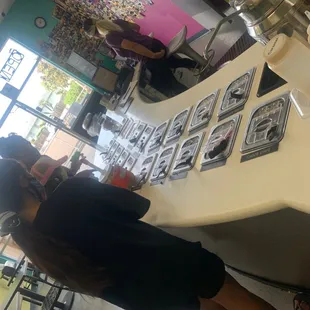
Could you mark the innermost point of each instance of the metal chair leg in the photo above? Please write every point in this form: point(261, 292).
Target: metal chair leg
point(188, 51)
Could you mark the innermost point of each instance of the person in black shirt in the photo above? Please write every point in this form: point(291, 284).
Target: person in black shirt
point(90, 237)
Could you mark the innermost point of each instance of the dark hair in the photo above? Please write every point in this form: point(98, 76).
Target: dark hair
point(16, 147)
point(10, 146)
point(87, 24)
point(60, 261)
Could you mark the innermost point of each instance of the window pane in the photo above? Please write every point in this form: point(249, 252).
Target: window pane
point(16, 62)
point(57, 95)
point(62, 144)
point(4, 104)
point(45, 137)
point(48, 139)
point(21, 123)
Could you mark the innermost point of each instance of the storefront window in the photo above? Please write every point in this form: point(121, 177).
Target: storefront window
point(44, 136)
point(48, 103)
point(16, 62)
point(4, 104)
point(57, 95)
point(49, 140)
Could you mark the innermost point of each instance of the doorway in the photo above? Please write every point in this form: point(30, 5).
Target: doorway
point(40, 102)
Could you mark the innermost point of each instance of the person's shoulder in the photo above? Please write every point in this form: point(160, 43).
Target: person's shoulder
point(69, 193)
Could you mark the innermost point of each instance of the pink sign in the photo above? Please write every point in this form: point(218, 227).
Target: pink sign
point(165, 20)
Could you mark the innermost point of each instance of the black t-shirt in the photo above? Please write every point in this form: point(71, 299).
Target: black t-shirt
point(150, 268)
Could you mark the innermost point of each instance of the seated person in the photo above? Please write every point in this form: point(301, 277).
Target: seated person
point(124, 39)
point(20, 149)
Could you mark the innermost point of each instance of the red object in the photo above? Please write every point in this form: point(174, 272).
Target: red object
point(122, 177)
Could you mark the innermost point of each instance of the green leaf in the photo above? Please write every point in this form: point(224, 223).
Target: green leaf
point(53, 79)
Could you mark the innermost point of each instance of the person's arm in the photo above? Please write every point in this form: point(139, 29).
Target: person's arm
point(141, 50)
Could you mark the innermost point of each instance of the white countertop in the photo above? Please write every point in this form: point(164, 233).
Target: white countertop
point(236, 190)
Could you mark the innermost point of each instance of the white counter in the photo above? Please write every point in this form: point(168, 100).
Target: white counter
point(241, 211)
point(236, 190)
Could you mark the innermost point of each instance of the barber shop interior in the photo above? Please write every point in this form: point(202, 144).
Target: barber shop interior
point(153, 154)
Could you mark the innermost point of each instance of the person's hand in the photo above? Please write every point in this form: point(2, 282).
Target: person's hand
point(76, 164)
point(159, 55)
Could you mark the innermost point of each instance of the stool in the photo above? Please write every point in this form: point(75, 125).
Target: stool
point(179, 45)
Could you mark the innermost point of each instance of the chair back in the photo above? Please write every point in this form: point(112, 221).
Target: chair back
point(52, 297)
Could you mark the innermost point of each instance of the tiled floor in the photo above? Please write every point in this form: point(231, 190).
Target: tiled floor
point(279, 299)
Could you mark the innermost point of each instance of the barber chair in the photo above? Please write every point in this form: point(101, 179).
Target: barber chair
point(179, 45)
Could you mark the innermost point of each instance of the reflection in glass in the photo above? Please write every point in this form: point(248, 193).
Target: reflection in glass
point(57, 95)
point(4, 104)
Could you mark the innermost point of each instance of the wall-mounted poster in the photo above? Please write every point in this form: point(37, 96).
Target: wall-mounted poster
point(61, 3)
point(58, 12)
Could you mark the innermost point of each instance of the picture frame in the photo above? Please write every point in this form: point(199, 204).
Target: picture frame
point(58, 12)
point(61, 3)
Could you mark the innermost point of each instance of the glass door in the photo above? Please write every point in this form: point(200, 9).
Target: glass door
point(57, 95)
point(36, 83)
point(40, 103)
point(47, 138)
